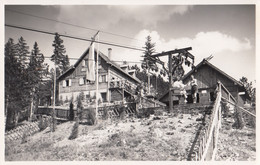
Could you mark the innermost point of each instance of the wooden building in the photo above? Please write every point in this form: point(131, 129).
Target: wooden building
point(207, 76)
point(115, 83)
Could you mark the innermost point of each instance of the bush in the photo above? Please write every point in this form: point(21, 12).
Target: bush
point(54, 122)
point(75, 130)
point(79, 107)
point(158, 112)
point(105, 113)
point(43, 123)
point(71, 114)
point(239, 123)
point(34, 118)
point(145, 112)
point(24, 138)
point(92, 116)
point(122, 112)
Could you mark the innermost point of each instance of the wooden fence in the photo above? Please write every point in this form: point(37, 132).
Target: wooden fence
point(208, 141)
point(24, 130)
point(112, 110)
point(20, 131)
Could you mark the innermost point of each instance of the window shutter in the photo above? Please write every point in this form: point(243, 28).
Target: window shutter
point(64, 83)
point(69, 82)
point(100, 79)
point(105, 78)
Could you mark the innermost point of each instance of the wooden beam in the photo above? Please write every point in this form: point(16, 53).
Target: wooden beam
point(172, 52)
point(170, 82)
point(189, 54)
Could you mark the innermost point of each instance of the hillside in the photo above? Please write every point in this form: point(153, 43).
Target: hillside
point(157, 138)
point(235, 144)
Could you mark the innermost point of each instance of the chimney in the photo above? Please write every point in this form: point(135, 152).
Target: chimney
point(109, 53)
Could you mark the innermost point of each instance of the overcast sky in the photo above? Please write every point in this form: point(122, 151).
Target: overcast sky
point(225, 31)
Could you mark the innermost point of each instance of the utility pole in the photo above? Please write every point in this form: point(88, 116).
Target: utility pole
point(96, 69)
point(54, 98)
point(185, 52)
point(97, 76)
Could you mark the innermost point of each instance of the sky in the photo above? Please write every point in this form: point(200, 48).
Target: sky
point(225, 31)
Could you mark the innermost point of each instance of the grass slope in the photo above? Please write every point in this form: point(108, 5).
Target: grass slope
point(167, 138)
point(235, 144)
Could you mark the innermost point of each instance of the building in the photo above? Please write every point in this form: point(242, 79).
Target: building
point(207, 76)
point(115, 82)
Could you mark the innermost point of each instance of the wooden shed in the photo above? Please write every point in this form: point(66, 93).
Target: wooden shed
point(207, 76)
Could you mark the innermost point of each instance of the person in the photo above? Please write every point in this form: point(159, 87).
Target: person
point(194, 88)
point(179, 84)
point(183, 91)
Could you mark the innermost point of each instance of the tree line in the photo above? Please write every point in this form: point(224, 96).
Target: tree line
point(28, 79)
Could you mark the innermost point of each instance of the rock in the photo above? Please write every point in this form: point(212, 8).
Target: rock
point(156, 118)
point(174, 153)
point(172, 127)
point(169, 133)
point(188, 126)
point(149, 123)
point(179, 121)
point(183, 130)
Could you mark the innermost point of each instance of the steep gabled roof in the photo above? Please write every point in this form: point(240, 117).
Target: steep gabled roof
point(104, 57)
point(203, 62)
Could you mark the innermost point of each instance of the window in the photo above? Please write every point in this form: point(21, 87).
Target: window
point(104, 97)
point(103, 78)
point(83, 63)
point(67, 83)
point(81, 81)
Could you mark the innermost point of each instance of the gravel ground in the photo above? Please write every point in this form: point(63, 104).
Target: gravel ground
point(156, 138)
point(235, 144)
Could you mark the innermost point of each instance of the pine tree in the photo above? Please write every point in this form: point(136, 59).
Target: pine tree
point(60, 60)
point(149, 62)
point(36, 70)
point(16, 83)
point(79, 107)
point(66, 63)
point(59, 57)
point(23, 52)
point(249, 88)
point(71, 114)
point(11, 71)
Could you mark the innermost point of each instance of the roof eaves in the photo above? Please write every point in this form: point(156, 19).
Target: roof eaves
point(211, 65)
point(117, 67)
point(102, 56)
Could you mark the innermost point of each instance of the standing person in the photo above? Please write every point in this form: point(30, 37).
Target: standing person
point(194, 88)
